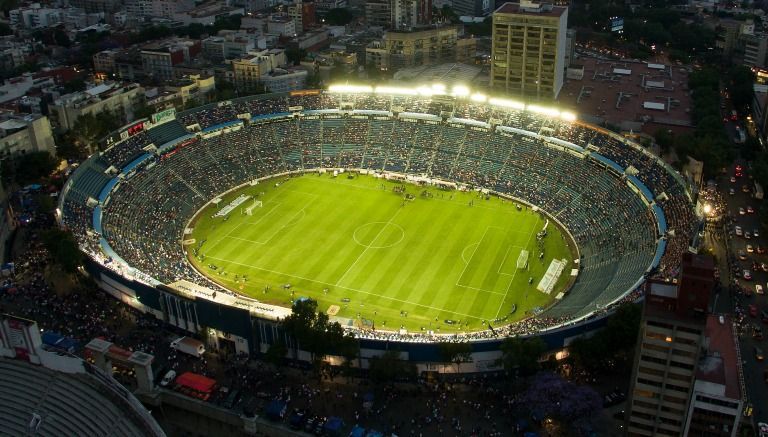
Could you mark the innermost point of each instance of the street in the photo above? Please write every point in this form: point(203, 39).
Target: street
point(743, 255)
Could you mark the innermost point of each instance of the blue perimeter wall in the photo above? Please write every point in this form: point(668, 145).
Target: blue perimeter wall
point(240, 322)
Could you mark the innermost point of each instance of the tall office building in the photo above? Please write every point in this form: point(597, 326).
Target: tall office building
point(670, 342)
point(409, 14)
point(528, 52)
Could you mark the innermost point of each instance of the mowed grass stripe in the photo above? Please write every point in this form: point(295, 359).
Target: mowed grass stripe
point(417, 274)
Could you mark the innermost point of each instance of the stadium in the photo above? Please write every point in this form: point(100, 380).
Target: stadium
point(411, 215)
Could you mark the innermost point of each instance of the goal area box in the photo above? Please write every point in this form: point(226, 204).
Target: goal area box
point(256, 204)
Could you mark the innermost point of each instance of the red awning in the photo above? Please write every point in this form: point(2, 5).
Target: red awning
point(196, 382)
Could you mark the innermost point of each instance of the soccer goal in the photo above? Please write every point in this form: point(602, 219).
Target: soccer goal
point(522, 260)
point(256, 204)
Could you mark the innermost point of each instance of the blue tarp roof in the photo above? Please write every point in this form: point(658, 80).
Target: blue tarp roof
point(57, 340)
point(222, 125)
point(641, 186)
point(275, 409)
point(107, 189)
point(357, 431)
point(607, 162)
point(333, 424)
point(661, 218)
point(660, 249)
point(97, 220)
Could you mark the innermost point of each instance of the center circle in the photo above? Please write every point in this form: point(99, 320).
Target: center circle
point(378, 235)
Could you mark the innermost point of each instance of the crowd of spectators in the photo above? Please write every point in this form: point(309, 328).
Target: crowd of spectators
point(614, 229)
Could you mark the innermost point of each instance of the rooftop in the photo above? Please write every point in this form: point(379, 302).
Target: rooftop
point(720, 364)
point(616, 91)
point(532, 9)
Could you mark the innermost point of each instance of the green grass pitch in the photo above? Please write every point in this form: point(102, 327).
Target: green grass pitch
point(396, 263)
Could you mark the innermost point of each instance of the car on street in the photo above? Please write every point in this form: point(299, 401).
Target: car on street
point(747, 235)
point(747, 275)
point(750, 249)
point(759, 354)
point(731, 191)
point(763, 427)
point(756, 233)
point(741, 211)
point(733, 179)
point(168, 378)
point(744, 189)
point(742, 255)
point(758, 289)
point(750, 210)
point(739, 231)
point(761, 250)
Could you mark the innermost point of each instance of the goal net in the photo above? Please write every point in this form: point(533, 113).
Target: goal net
point(256, 204)
point(522, 260)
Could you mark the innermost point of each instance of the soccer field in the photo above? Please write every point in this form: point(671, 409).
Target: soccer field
point(445, 260)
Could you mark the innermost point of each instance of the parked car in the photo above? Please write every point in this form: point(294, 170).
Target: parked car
point(747, 235)
point(750, 249)
point(731, 191)
point(733, 179)
point(742, 255)
point(758, 289)
point(755, 233)
point(759, 354)
point(745, 189)
point(739, 231)
point(168, 378)
point(760, 249)
point(747, 275)
point(750, 210)
point(741, 211)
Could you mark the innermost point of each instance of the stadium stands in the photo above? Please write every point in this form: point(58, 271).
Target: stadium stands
point(614, 228)
point(35, 400)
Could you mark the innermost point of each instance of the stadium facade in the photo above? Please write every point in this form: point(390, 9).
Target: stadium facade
point(629, 212)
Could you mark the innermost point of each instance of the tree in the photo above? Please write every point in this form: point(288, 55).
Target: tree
point(295, 55)
point(63, 248)
point(741, 85)
point(551, 396)
point(338, 17)
point(388, 367)
point(522, 355)
point(276, 354)
point(456, 353)
point(613, 346)
point(315, 334)
point(30, 167)
point(89, 129)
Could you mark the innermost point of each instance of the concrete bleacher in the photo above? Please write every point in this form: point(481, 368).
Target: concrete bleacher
point(66, 404)
point(167, 132)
